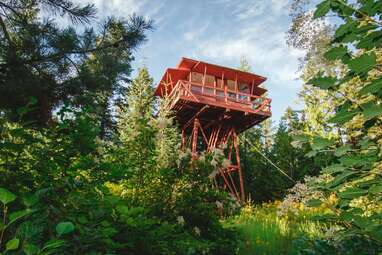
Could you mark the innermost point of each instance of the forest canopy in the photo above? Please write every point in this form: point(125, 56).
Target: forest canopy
point(91, 162)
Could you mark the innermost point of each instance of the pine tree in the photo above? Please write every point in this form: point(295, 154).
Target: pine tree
point(51, 66)
point(135, 128)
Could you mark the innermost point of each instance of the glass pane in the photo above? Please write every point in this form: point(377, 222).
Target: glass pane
point(231, 85)
point(220, 93)
point(196, 89)
point(243, 88)
point(196, 77)
point(208, 91)
point(243, 97)
point(232, 95)
point(209, 80)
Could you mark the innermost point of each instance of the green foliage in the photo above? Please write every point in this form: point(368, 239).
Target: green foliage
point(356, 170)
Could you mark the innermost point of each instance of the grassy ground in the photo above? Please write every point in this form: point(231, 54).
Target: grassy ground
point(264, 232)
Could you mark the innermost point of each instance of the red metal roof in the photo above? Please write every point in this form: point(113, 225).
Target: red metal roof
point(186, 65)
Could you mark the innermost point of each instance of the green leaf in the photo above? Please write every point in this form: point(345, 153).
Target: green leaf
point(339, 179)
point(311, 154)
point(336, 53)
point(30, 249)
point(322, 9)
point(320, 143)
point(323, 82)
point(372, 40)
point(345, 29)
point(363, 63)
point(63, 228)
point(314, 203)
point(30, 200)
point(342, 117)
point(335, 168)
point(351, 193)
point(372, 88)
point(372, 110)
point(13, 217)
point(12, 244)
point(342, 150)
point(6, 196)
point(53, 244)
point(375, 189)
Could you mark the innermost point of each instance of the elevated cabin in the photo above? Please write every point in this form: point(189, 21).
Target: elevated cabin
point(211, 93)
point(213, 104)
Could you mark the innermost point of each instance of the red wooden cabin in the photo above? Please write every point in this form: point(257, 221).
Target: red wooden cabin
point(213, 104)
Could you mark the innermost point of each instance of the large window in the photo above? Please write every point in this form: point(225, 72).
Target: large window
point(243, 88)
point(196, 77)
point(209, 80)
point(231, 85)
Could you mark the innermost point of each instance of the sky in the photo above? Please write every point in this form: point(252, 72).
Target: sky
point(220, 32)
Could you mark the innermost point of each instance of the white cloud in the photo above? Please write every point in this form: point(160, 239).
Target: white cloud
point(263, 43)
point(255, 9)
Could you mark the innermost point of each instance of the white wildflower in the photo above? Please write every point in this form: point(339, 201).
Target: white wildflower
point(226, 163)
point(219, 204)
point(197, 231)
point(180, 220)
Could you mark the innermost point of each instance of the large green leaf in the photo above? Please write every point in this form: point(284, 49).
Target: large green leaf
point(320, 143)
point(342, 117)
point(342, 150)
point(52, 244)
point(372, 88)
point(6, 196)
point(339, 179)
point(30, 249)
point(13, 217)
point(335, 168)
point(323, 82)
point(363, 63)
point(345, 29)
point(12, 244)
point(371, 40)
point(336, 53)
point(322, 9)
point(351, 193)
point(372, 110)
point(63, 228)
point(375, 189)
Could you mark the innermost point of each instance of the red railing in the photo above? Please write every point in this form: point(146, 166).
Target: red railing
point(192, 90)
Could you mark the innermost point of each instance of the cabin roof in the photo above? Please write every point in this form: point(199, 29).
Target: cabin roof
point(186, 65)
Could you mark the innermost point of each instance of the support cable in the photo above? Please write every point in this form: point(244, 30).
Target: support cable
point(270, 161)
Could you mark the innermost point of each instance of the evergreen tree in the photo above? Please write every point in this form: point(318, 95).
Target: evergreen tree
point(51, 66)
point(135, 128)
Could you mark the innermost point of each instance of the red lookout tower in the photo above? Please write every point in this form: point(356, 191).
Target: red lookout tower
point(213, 104)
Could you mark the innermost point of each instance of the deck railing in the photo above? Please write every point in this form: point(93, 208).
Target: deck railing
point(192, 90)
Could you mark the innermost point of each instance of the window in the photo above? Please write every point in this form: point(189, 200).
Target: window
point(220, 84)
point(209, 91)
point(231, 85)
point(209, 80)
point(196, 77)
point(243, 88)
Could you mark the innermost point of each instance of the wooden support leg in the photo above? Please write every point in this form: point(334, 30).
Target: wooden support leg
point(241, 179)
point(183, 146)
point(195, 137)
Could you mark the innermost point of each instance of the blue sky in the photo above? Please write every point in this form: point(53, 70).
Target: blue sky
point(221, 32)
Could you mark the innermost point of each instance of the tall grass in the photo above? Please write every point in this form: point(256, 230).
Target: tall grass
point(264, 232)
